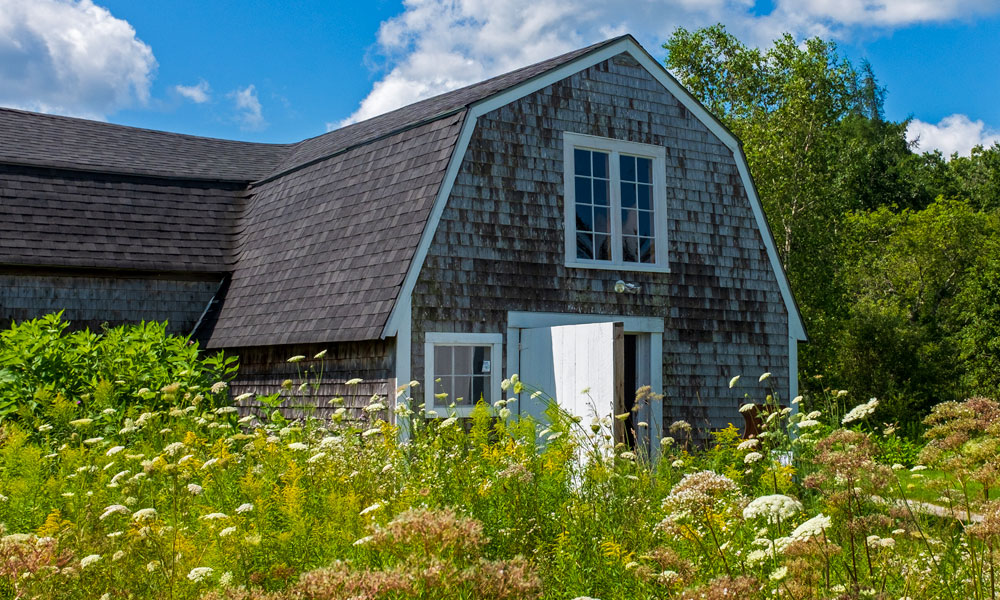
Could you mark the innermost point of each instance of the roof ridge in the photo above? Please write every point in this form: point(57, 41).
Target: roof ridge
point(554, 59)
point(318, 148)
point(99, 123)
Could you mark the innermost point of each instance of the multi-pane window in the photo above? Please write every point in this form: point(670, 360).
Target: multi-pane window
point(638, 242)
point(615, 204)
point(461, 369)
point(463, 373)
point(593, 199)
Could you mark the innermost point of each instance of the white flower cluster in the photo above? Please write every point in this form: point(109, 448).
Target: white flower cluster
point(114, 508)
point(773, 507)
point(697, 492)
point(814, 527)
point(86, 561)
point(878, 542)
point(199, 574)
point(174, 448)
point(861, 411)
point(144, 514)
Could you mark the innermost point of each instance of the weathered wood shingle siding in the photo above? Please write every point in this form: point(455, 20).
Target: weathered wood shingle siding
point(499, 246)
point(91, 299)
point(264, 368)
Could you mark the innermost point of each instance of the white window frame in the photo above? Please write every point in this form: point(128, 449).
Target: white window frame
point(615, 148)
point(432, 339)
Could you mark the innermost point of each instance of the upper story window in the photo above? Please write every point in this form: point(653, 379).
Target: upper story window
point(616, 204)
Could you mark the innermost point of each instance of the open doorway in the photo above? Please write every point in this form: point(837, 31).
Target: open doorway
point(636, 362)
point(565, 354)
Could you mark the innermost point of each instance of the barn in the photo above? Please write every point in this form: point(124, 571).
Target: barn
point(583, 222)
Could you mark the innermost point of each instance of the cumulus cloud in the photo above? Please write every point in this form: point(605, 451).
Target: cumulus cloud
point(439, 45)
point(198, 93)
point(70, 57)
point(249, 112)
point(887, 13)
point(843, 18)
point(953, 134)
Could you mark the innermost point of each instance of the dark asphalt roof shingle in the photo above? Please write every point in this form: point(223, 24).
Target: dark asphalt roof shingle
point(56, 218)
point(323, 251)
point(43, 140)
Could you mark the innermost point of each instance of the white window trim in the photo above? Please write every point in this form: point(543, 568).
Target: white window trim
point(572, 141)
point(431, 339)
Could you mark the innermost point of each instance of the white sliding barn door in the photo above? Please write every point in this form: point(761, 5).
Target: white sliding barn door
point(564, 361)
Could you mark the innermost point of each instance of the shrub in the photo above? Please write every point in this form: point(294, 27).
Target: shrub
point(50, 376)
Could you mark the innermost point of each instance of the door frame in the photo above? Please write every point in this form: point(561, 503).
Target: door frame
point(653, 326)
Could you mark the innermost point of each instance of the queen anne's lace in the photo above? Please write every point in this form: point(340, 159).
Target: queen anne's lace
point(860, 411)
point(773, 507)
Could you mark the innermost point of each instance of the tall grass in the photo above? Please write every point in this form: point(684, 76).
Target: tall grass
point(174, 495)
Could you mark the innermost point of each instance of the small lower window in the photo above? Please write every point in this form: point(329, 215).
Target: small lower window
point(463, 373)
point(461, 369)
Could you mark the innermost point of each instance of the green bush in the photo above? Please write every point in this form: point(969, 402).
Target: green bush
point(893, 449)
point(50, 376)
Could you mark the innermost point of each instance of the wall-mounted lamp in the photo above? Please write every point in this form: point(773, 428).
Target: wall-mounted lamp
point(627, 288)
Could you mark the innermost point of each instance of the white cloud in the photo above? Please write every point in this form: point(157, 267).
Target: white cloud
point(955, 133)
point(248, 109)
point(881, 13)
point(198, 93)
point(439, 45)
point(70, 57)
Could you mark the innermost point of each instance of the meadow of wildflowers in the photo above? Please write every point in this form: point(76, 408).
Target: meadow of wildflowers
point(164, 491)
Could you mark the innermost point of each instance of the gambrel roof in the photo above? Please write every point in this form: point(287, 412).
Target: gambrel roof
point(319, 239)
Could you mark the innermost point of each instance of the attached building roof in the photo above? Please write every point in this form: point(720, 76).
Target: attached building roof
point(42, 140)
point(61, 218)
point(322, 251)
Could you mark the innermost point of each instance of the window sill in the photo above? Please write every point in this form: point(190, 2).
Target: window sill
point(633, 268)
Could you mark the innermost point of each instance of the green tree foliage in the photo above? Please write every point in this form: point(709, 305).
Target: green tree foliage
point(813, 132)
point(50, 374)
point(891, 254)
point(916, 281)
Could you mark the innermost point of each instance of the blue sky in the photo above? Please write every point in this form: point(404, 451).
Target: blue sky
point(281, 72)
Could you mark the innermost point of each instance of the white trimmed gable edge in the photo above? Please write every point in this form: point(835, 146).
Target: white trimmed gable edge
point(796, 327)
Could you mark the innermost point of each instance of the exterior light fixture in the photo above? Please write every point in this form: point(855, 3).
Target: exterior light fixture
point(622, 287)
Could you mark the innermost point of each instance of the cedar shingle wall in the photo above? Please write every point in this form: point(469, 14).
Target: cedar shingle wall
point(724, 314)
point(264, 368)
point(90, 301)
